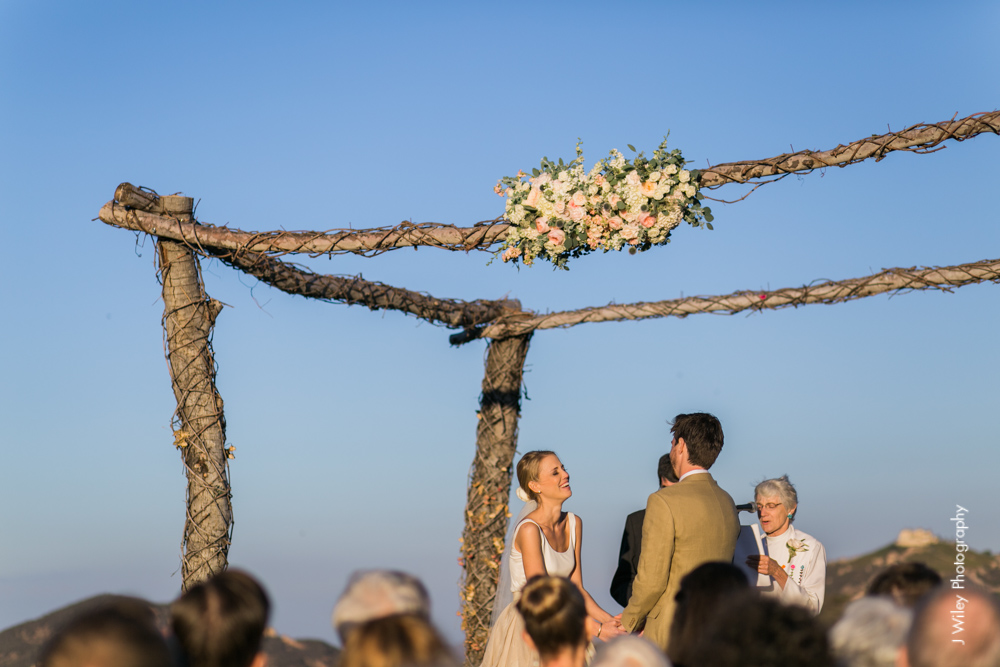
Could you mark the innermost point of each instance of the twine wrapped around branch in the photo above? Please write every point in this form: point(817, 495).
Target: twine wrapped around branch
point(134, 208)
point(888, 280)
point(199, 423)
point(919, 138)
point(367, 242)
point(486, 511)
point(374, 295)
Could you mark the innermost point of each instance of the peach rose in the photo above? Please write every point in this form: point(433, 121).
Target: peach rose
point(557, 236)
point(542, 225)
point(615, 222)
point(648, 189)
point(579, 198)
point(646, 220)
point(533, 197)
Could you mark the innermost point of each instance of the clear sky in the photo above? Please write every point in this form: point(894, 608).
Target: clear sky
point(355, 430)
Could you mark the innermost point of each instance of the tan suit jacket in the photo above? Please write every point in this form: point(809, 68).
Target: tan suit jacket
point(687, 524)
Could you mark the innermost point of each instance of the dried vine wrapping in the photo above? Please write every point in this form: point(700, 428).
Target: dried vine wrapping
point(562, 212)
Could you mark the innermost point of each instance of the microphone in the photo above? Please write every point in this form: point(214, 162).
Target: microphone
point(747, 507)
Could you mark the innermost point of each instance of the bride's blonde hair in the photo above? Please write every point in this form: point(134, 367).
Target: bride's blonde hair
point(527, 470)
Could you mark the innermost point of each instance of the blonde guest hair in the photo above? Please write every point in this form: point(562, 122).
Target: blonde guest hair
point(527, 470)
point(403, 640)
point(554, 614)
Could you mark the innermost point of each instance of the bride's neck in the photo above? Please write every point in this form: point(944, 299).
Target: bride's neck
point(549, 513)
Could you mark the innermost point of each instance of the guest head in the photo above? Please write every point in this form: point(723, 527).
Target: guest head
point(934, 640)
point(220, 622)
point(870, 633)
point(906, 583)
point(402, 640)
point(703, 592)
point(665, 471)
point(372, 594)
point(630, 651)
point(777, 503)
point(761, 632)
point(529, 470)
point(697, 441)
point(554, 616)
point(120, 634)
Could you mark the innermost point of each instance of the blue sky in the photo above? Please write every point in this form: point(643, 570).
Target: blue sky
point(355, 430)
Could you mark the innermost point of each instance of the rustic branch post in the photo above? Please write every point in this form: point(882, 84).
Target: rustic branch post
point(486, 511)
point(199, 425)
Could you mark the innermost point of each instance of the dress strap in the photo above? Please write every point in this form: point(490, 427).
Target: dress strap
point(572, 530)
point(518, 527)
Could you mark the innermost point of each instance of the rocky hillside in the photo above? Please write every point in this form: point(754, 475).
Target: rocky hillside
point(847, 579)
point(20, 645)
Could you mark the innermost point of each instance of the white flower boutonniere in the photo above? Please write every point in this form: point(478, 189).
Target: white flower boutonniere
point(796, 546)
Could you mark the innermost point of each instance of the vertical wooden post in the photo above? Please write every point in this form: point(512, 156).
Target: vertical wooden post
point(486, 511)
point(199, 425)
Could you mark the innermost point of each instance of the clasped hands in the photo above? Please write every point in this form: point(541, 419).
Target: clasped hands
point(607, 630)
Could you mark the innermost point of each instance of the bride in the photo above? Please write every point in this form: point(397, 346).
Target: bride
point(545, 540)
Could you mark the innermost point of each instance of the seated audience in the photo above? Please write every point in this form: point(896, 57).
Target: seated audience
point(375, 594)
point(220, 622)
point(630, 651)
point(870, 633)
point(401, 640)
point(906, 583)
point(954, 628)
point(555, 617)
point(121, 634)
point(755, 631)
point(702, 593)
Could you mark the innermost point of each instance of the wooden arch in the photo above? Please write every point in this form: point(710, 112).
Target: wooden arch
point(189, 317)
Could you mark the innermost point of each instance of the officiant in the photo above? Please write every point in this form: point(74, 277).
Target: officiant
point(796, 562)
point(628, 557)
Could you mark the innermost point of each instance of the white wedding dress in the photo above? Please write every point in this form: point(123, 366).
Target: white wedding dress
point(506, 646)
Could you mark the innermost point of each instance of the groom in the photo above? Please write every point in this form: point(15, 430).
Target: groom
point(687, 524)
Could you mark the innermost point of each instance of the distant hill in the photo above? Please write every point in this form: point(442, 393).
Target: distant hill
point(847, 579)
point(21, 644)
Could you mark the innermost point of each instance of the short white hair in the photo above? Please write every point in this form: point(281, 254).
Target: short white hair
point(870, 632)
point(372, 594)
point(630, 651)
point(781, 489)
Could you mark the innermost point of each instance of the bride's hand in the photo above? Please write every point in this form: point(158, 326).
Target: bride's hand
point(610, 630)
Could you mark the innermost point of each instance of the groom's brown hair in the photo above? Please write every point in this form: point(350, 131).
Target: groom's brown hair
point(702, 433)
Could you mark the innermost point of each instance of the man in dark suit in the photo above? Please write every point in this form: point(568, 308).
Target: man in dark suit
point(628, 558)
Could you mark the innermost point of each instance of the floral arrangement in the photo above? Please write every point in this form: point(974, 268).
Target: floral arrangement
point(796, 546)
point(561, 211)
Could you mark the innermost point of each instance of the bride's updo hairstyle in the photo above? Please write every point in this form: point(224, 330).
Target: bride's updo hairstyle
point(527, 470)
point(554, 614)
